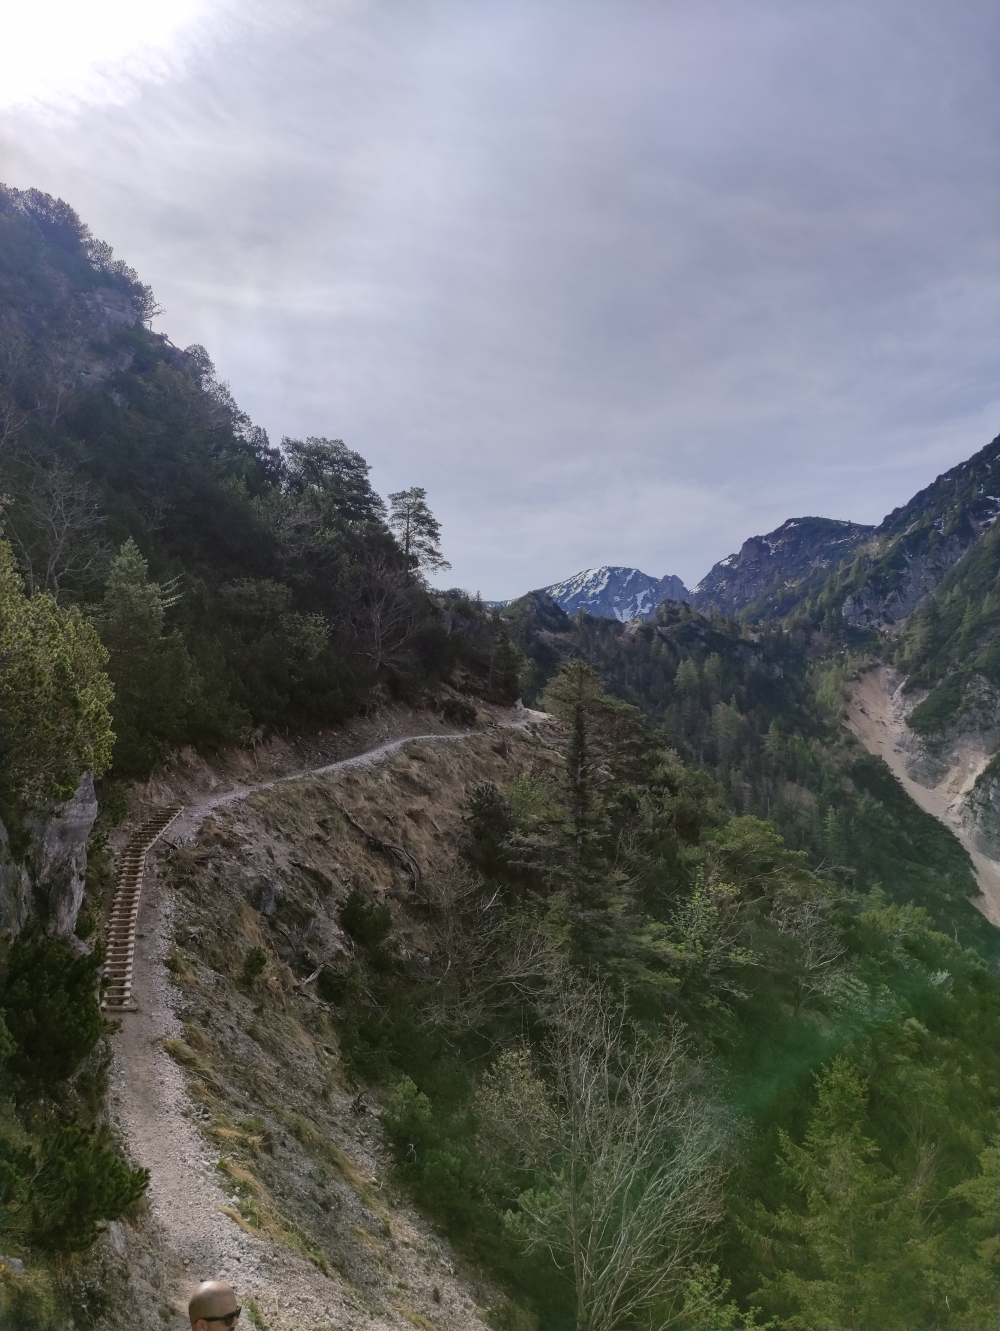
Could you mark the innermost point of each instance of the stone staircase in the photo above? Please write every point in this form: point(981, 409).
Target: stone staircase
point(119, 936)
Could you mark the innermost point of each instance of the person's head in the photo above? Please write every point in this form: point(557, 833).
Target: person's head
point(213, 1306)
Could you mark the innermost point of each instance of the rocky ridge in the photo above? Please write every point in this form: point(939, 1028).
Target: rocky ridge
point(770, 574)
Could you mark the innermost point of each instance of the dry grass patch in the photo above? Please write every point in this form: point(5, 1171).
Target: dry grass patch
point(257, 1211)
point(416, 1319)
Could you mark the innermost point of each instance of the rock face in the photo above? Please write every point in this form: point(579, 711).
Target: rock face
point(771, 573)
point(959, 761)
point(981, 814)
point(48, 883)
point(615, 592)
point(968, 740)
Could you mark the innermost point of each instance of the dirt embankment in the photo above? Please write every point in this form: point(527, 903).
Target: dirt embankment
point(267, 1168)
point(876, 714)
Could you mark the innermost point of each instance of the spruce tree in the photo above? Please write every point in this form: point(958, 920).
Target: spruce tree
point(155, 682)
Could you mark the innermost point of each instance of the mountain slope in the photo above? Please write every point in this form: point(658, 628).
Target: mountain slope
point(916, 546)
point(282, 595)
point(770, 574)
point(615, 592)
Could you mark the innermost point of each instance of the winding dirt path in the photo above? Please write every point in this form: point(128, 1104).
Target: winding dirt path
point(876, 715)
point(150, 1104)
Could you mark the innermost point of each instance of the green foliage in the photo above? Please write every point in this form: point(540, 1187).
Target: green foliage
point(57, 1196)
point(870, 1245)
point(50, 1006)
point(806, 955)
point(335, 984)
point(253, 966)
point(61, 1177)
point(368, 923)
point(765, 724)
point(951, 645)
point(54, 696)
point(156, 687)
point(416, 529)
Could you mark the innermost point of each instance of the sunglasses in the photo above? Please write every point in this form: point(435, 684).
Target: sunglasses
point(230, 1319)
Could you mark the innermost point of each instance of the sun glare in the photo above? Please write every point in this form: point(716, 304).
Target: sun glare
point(60, 53)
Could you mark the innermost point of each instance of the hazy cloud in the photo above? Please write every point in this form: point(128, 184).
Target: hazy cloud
point(616, 283)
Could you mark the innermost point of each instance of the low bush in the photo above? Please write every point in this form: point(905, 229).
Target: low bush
point(367, 923)
point(49, 1002)
point(68, 1187)
point(253, 966)
point(334, 984)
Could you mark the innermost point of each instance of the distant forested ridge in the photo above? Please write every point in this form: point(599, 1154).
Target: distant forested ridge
point(236, 585)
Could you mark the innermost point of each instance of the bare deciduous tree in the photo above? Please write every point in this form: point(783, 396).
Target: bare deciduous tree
point(635, 1178)
point(55, 528)
point(383, 614)
point(822, 950)
point(491, 956)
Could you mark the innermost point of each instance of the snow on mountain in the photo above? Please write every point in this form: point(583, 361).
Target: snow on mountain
point(616, 593)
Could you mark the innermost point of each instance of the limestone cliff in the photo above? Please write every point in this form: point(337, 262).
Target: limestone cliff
point(46, 883)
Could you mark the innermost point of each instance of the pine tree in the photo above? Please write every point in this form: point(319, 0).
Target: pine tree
point(416, 528)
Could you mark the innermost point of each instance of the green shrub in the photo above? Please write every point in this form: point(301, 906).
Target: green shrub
point(253, 965)
point(366, 924)
point(334, 984)
point(459, 712)
point(49, 1002)
point(56, 1195)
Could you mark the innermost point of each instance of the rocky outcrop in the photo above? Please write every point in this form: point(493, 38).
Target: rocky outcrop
point(981, 815)
point(970, 738)
point(47, 884)
point(959, 763)
point(771, 573)
point(895, 583)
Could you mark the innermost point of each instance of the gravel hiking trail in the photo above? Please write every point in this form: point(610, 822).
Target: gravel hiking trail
point(876, 715)
point(150, 1104)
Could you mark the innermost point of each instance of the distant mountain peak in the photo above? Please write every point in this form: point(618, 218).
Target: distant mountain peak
point(615, 592)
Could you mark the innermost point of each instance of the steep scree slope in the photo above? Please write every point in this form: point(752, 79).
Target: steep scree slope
point(876, 715)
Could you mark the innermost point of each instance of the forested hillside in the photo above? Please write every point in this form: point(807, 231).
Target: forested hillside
point(664, 1069)
point(236, 585)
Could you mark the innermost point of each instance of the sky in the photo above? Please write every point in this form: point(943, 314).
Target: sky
point(616, 281)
